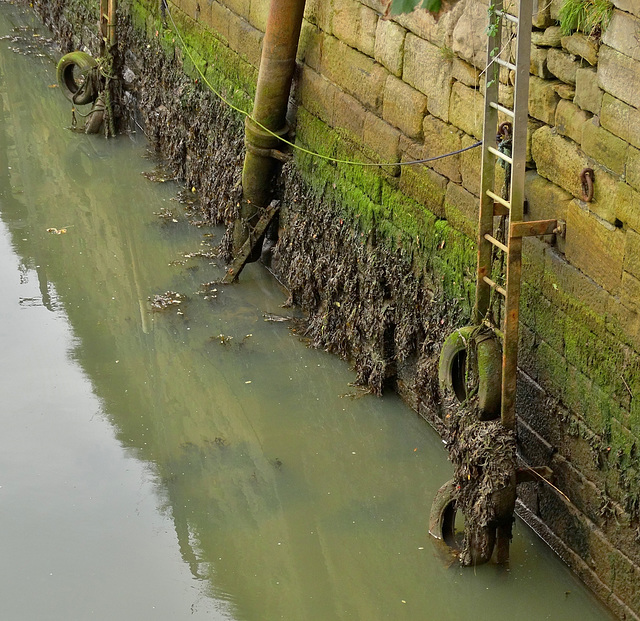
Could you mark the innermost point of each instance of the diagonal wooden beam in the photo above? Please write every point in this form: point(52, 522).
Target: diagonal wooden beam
point(238, 263)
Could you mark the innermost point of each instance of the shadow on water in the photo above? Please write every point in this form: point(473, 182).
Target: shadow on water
point(285, 499)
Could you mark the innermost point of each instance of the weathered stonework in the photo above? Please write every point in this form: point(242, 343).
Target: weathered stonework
point(404, 107)
point(378, 90)
point(622, 34)
point(588, 94)
point(436, 83)
point(621, 119)
point(389, 46)
point(570, 120)
point(604, 147)
point(580, 45)
point(619, 75)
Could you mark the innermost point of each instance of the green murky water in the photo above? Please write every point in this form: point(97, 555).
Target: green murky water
point(148, 471)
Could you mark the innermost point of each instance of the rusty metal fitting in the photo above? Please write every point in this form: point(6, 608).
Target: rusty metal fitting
point(561, 229)
point(586, 181)
point(505, 131)
point(262, 139)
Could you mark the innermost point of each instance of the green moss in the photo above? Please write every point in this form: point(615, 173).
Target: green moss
point(600, 357)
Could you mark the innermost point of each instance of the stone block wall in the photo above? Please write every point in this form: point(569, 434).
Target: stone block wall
point(393, 90)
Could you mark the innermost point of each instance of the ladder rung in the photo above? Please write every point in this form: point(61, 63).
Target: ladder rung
point(498, 199)
point(505, 63)
point(495, 242)
point(500, 155)
point(511, 18)
point(495, 285)
point(500, 108)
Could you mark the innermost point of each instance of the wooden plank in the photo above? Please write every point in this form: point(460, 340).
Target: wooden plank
point(237, 265)
point(533, 228)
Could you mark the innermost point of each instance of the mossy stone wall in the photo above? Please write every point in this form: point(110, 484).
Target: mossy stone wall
point(377, 90)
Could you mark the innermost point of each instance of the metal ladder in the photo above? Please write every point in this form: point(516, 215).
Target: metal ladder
point(512, 207)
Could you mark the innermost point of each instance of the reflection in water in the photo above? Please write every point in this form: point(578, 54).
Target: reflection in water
point(286, 499)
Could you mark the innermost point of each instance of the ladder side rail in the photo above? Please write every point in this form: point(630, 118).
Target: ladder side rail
point(490, 124)
point(514, 261)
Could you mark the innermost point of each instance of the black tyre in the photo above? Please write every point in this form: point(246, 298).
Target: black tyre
point(75, 73)
point(442, 525)
point(485, 370)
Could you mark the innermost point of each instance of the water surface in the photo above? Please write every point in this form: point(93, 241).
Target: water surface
point(199, 463)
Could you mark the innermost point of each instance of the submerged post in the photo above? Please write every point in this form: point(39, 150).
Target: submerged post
point(261, 162)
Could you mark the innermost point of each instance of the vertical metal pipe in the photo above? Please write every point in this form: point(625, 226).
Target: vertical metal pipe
point(112, 35)
point(277, 65)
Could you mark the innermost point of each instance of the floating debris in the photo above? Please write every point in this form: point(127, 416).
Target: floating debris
point(164, 301)
point(55, 231)
point(165, 214)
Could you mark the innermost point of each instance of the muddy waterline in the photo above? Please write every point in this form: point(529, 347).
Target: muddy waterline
point(198, 462)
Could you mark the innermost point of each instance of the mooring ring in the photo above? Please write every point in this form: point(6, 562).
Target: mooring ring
point(586, 181)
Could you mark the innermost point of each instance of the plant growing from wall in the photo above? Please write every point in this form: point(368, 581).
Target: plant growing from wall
point(589, 16)
point(436, 7)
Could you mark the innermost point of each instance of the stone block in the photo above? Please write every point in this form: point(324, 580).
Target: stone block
point(404, 107)
point(349, 115)
point(389, 45)
point(469, 35)
point(258, 13)
point(595, 247)
point(310, 45)
point(630, 292)
point(570, 119)
point(604, 147)
point(633, 168)
point(246, 40)
point(582, 46)
point(619, 75)
point(239, 7)
point(546, 200)
point(630, 6)
point(356, 73)
point(317, 94)
point(627, 206)
point(565, 91)
point(538, 65)
point(435, 82)
point(382, 138)
point(632, 254)
point(423, 185)
point(217, 18)
point(441, 138)
point(461, 210)
point(470, 162)
point(355, 24)
point(621, 119)
point(466, 110)
point(563, 65)
point(320, 14)
point(605, 194)
point(542, 14)
point(438, 31)
point(554, 9)
point(588, 94)
point(571, 290)
point(558, 159)
point(550, 37)
point(543, 100)
point(622, 34)
point(465, 72)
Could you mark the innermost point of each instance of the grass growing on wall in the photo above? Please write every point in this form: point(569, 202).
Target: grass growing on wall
point(589, 16)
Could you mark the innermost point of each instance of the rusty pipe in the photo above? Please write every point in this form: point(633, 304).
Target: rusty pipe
point(112, 35)
point(277, 66)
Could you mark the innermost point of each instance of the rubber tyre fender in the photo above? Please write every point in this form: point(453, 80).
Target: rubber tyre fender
point(452, 369)
point(442, 525)
point(79, 94)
